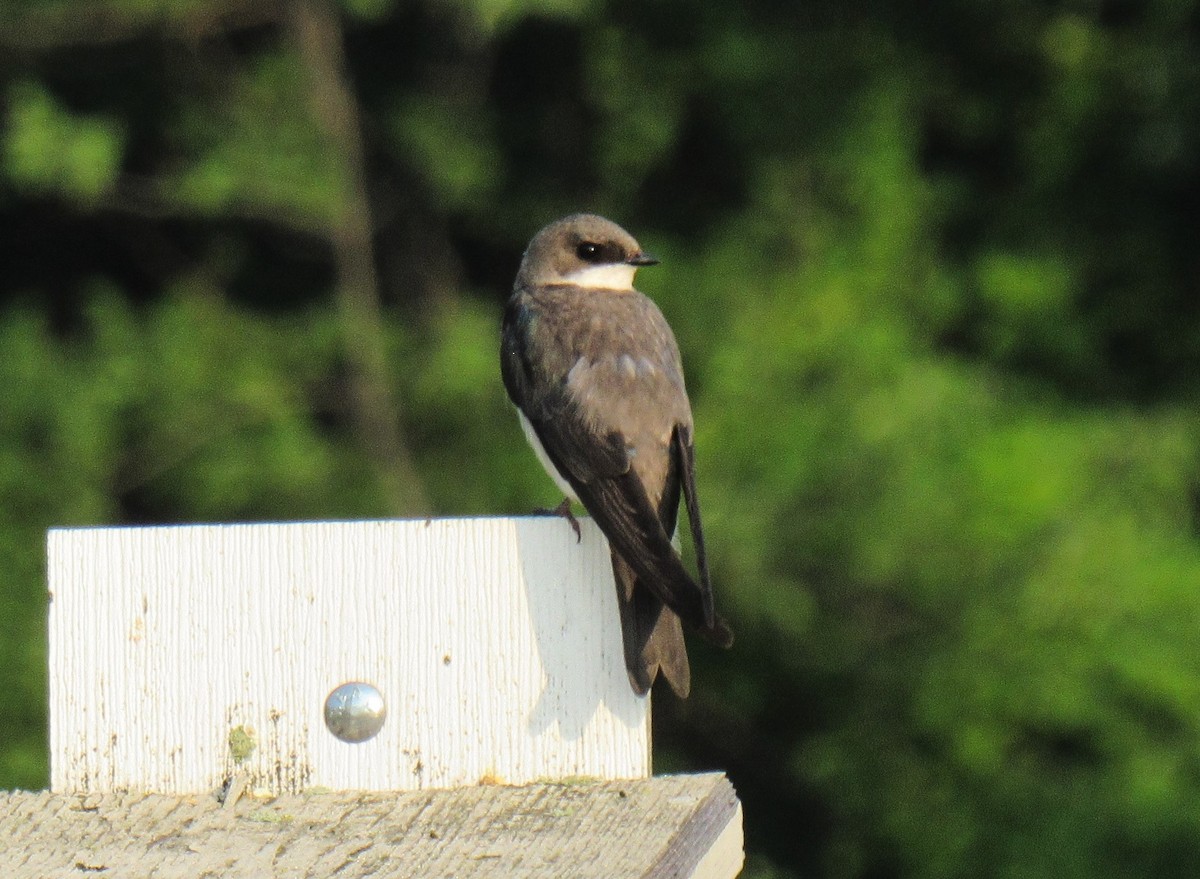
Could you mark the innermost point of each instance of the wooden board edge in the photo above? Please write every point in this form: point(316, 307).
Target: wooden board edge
point(710, 843)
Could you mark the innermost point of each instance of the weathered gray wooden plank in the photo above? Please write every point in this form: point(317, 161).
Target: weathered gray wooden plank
point(677, 826)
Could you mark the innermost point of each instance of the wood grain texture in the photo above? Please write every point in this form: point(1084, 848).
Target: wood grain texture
point(495, 643)
point(678, 826)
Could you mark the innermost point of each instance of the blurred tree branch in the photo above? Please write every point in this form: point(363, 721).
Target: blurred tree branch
point(68, 26)
point(156, 199)
point(317, 34)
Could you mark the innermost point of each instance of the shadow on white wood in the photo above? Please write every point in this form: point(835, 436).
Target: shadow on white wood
point(495, 643)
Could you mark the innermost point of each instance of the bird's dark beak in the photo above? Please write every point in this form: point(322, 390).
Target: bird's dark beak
point(641, 258)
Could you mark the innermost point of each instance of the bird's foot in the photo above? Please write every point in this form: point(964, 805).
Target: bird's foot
point(564, 510)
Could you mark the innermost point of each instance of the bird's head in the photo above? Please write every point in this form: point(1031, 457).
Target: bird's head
point(586, 250)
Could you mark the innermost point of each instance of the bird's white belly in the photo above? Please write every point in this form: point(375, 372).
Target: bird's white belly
point(531, 435)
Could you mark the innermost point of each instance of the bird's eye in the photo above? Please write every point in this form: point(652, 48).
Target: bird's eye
point(589, 251)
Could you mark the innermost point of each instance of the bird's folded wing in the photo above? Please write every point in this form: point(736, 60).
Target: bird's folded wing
point(597, 467)
point(685, 451)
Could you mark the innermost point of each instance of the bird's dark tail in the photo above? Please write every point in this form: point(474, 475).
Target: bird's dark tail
point(653, 636)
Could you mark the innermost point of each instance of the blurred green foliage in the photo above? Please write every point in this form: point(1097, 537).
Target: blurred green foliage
point(48, 150)
point(933, 272)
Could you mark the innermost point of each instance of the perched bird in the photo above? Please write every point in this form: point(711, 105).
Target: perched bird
point(595, 373)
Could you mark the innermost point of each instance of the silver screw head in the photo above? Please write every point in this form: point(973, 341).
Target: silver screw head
point(355, 712)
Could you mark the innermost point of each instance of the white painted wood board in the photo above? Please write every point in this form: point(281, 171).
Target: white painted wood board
point(495, 643)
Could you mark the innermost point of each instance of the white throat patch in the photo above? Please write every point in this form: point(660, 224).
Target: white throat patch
point(613, 276)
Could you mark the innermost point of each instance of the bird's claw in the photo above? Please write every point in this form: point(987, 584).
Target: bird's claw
point(563, 510)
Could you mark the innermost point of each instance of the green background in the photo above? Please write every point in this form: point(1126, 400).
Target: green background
point(934, 270)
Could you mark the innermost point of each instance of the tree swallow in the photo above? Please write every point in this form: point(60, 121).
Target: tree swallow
point(595, 373)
